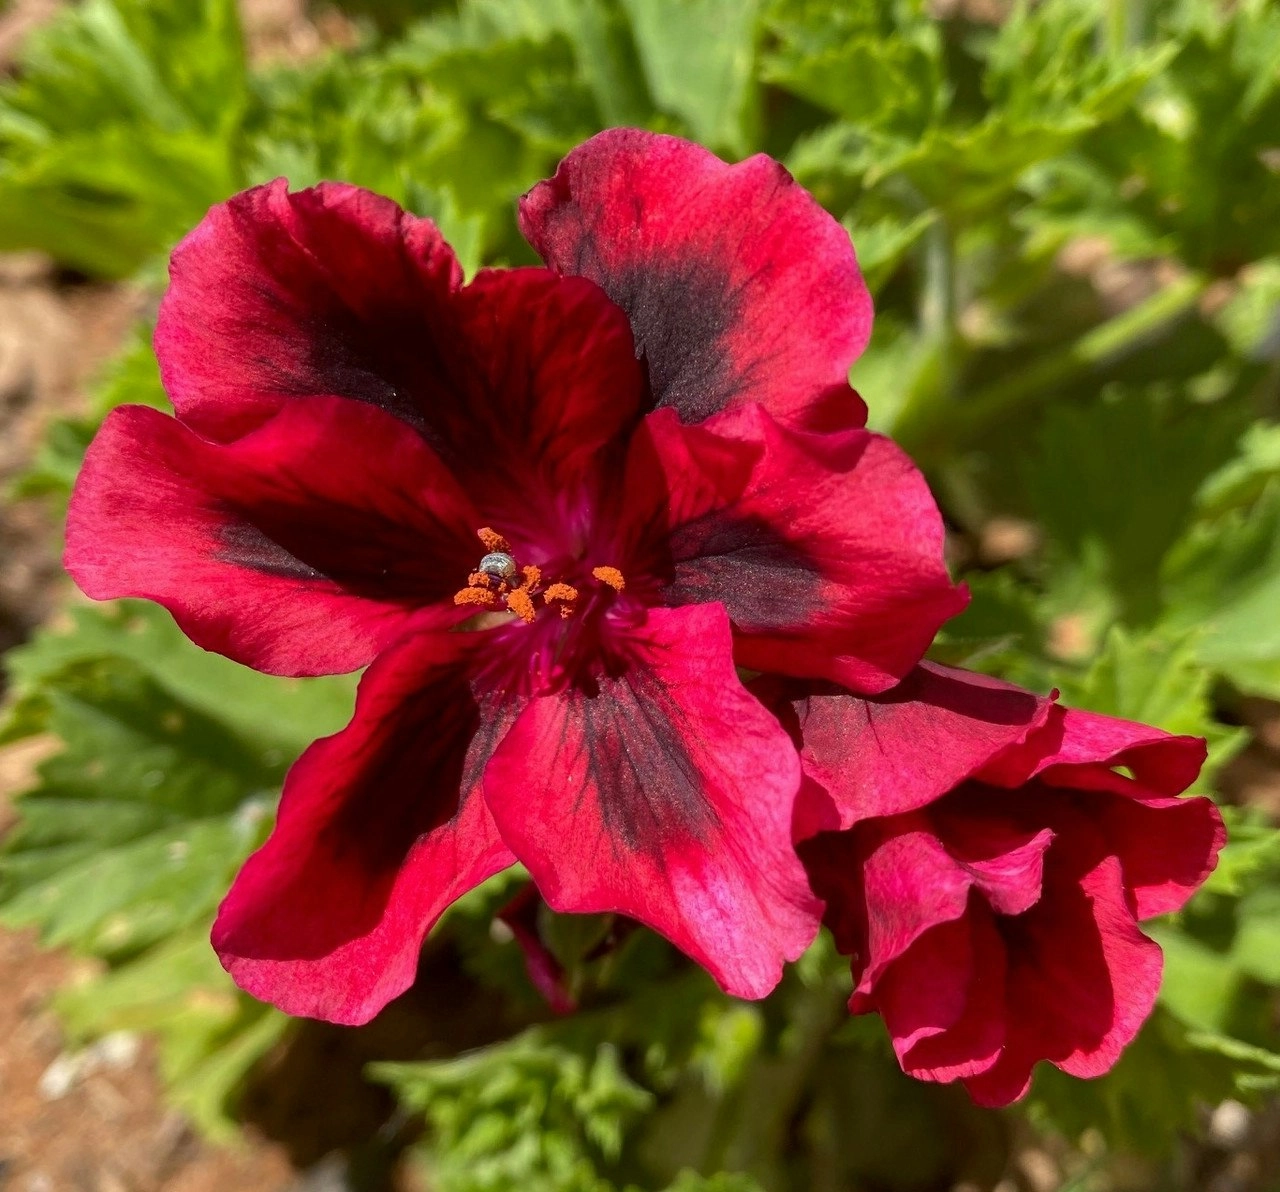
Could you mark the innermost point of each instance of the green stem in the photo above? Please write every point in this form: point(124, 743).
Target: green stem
point(752, 1134)
point(931, 428)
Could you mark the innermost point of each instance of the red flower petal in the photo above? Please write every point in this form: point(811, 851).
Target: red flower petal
point(943, 1001)
point(1167, 846)
point(300, 549)
point(1081, 981)
point(900, 750)
point(739, 287)
point(551, 388)
point(277, 295)
point(885, 886)
point(664, 795)
point(518, 380)
point(380, 828)
point(888, 883)
point(1159, 760)
point(825, 549)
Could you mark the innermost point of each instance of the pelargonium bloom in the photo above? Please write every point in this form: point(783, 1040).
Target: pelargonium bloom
point(479, 490)
point(986, 863)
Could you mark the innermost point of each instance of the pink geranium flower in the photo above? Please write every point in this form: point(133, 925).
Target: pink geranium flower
point(493, 494)
point(986, 864)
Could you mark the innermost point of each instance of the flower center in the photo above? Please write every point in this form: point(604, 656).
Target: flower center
point(499, 581)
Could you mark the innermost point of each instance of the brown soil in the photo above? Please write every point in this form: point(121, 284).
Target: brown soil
point(110, 1130)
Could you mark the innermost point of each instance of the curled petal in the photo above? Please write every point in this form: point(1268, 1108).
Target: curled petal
point(286, 550)
point(664, 792)
point(943, 1002)
point(888, 883)
point(381, 827)
point(1166, 846)
point(1081, 981)
point(739, 287)
point(901, 750)
point(826, 550)
point(1163, 762)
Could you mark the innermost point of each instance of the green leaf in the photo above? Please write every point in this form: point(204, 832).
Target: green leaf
point(889, 83)
point(1243, 479)
point(527, 1113)
point(1156, 1091)
point(136, 828)
point(1114, 484)
point(881, 245)
point(698, 59)
point(1251, 854)
point(281, 716)
point(119, 131)
point(1223, 580)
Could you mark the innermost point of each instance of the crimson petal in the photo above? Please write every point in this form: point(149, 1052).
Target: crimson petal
point(300, 549)
point(901, 750)
point(1082, 979)
point(666, 795)
point(380, 828)
point(1157, 759)
point(826, 550)
point(943, 1001)
point(518, 380)
point(739, 287)
point(330, 290)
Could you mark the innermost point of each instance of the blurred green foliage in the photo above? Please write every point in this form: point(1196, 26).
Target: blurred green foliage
point(1070, 218)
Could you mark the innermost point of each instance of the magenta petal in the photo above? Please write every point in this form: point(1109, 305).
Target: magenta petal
point(332, 290)
point(901, 750)
point(885, 885)
point(1166, 846)
point(1159, 760)
point(300, 549)
point(739, 287)
point(664, 794)
point(380, 828)
point(825, 549)
point(1005, 860)
point(943, 1001)
point(518, 381)
point(1082, 979)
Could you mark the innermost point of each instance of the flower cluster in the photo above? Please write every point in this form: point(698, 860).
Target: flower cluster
point(558, 513)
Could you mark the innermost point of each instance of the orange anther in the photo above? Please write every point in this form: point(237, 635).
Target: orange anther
point(560, 592)
point(480, 596)
point(564, 594)
point(478, 579)
point(611, 576)
point(521, 603)
point(532, 575)
point(493, 542)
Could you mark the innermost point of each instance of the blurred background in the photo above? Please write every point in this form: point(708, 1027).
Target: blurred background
point(1069, 213)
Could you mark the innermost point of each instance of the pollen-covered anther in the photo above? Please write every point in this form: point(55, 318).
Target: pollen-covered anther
point(492, 541)
point(521, 603)
point(479, 579)
point(610, 576)
point(532, 576)
point(562, 594)
point(482, 597)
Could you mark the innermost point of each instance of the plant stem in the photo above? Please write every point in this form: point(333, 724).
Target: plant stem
point(928, 429)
